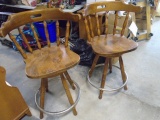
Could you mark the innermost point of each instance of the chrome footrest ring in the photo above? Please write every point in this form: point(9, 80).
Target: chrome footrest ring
point(109, 89)
point(62, 111)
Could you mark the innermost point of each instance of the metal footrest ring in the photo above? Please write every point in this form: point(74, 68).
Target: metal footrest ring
point(62, 111)
point(109, 89)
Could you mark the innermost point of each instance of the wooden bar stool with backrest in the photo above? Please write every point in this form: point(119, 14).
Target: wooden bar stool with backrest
point(108, 45)
point(50, 61)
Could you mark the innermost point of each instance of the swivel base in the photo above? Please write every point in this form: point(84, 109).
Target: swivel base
point(111, 89)
point(62, 111)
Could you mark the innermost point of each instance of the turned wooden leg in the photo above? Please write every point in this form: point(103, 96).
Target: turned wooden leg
point(65, 85)
point(69, 80)
point(105, 70)
point(46, 83)
point(110, 65)
point(122, 71)
point(93, 64)
point(42, 96)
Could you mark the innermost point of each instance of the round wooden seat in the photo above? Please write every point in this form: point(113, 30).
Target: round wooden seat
point(112, 45)
point(49, 62)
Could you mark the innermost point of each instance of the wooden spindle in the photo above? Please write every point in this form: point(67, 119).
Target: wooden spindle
point(105, 71)
point(18, 46)
point(98, 28)
point(93, 64)
point(106, 23)
point(67, 33)
point(115, 23)
point(46, 33)
point(25, 40)
point(87, 29)
point(36, 36)
point(69, 96)
point(124, 77)
point(125, 24)
point(91, 27)
point(57, 33)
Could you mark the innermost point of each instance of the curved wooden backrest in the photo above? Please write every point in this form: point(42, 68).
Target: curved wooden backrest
point(15, 21)
point(97, 8)
point(12, 104)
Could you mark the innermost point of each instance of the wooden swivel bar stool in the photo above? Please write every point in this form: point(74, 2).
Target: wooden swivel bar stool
point(50, 61)
point(108, 45)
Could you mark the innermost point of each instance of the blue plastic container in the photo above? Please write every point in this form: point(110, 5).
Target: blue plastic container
point(51, 30)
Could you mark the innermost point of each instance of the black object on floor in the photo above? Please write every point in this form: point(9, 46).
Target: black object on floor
point(83, 49)
point(85, 52)
point(6, 42)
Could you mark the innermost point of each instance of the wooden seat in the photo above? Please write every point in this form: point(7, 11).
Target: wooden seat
point(13, 106)
point(108, 45)
point(49, 62)
point(54, 59)
point(114, 45)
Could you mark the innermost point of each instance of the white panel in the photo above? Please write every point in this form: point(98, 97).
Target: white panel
point(90, 1)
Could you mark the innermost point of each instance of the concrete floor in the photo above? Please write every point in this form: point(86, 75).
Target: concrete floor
point(140, 102)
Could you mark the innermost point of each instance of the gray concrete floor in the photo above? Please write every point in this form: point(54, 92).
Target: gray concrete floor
point(140, 102)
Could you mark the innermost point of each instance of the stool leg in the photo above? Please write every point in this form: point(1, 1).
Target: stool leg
point(46, 84)
point(110, 65)
point(42, 96)
point(105, 70)
point(69, 80)
point(65, 85)
point(93, 64)
point(122, 71)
